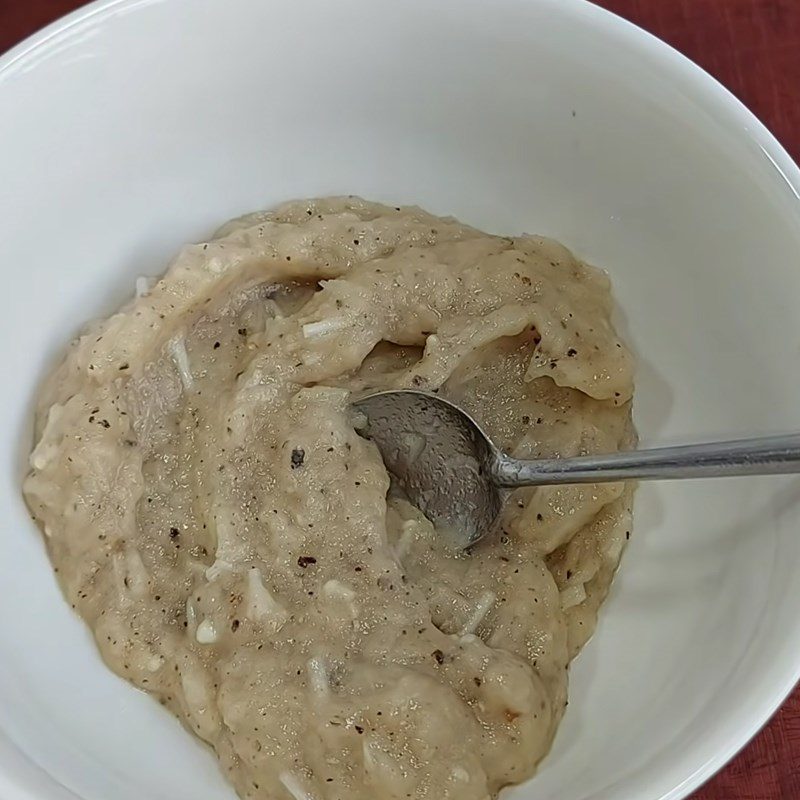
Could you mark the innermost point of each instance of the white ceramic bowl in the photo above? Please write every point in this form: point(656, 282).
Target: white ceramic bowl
point(134, 126)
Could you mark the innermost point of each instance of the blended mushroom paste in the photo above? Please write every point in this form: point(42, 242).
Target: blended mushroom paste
point(231, 540)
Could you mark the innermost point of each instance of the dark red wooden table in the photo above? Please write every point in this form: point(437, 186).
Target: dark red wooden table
point(753, 47)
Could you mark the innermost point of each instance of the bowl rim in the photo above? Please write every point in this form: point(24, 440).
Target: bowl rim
point(14, 764)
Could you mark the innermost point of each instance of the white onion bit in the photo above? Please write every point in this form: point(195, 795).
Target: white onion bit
point(336, 590)
point(318, 675)
point(317, 330)
point(206, 632)
point(219, 567)
point(177, 350)
point(261, 605)
point(482, 608)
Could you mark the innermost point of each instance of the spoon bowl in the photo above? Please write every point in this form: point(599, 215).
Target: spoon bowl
point(440, 457)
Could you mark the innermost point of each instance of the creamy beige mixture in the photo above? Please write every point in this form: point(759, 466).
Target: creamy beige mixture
point(213, 515)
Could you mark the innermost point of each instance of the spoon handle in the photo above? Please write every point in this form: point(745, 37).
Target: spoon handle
point(773, 455)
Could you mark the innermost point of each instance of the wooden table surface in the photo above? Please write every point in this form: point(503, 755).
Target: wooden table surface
point(753, 47)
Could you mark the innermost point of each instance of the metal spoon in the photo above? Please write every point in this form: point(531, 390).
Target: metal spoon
point(451, 470)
